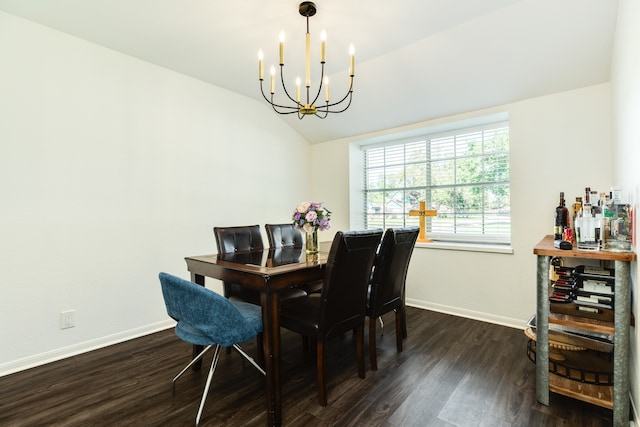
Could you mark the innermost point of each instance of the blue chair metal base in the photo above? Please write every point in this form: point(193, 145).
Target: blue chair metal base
point(208, 319)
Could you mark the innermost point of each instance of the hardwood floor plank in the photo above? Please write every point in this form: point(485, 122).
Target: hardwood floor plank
point(481, 385)
point(452, 372)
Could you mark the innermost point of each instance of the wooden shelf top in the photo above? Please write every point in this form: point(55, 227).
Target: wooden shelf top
point(583, 323)
point(545, 247)
point(600, 395)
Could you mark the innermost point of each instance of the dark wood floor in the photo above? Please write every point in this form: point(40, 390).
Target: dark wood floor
point(453, 372)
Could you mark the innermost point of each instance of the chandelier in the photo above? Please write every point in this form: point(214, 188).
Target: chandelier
point(307, 105)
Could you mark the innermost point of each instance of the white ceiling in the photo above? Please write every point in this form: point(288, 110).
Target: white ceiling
point(415, 59)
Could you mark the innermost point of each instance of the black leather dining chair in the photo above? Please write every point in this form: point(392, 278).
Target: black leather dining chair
point(340, 307)
point(386, 289)
point(245, 240)
point(288, 236)
point(283, 236)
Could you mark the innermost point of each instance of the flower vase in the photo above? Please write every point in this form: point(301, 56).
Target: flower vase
point(311, 244)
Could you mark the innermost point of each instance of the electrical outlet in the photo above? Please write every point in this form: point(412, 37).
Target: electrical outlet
point(67, 319)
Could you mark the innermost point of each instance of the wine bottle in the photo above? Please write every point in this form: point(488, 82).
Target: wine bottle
point(561, 218)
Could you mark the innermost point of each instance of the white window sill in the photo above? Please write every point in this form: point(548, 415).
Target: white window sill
point(470, 247)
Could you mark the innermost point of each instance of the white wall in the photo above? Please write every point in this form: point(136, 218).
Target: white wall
point(551, 137)
point(625, 83)
point(111, 170)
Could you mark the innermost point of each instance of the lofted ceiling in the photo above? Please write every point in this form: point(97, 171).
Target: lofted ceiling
point(416, 60)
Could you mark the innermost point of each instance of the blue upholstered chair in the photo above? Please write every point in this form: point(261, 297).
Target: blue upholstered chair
point(207, 319)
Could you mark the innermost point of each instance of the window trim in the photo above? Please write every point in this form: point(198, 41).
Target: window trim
point(493, 248)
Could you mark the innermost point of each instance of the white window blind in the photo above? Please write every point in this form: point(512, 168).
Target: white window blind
point(463, 174)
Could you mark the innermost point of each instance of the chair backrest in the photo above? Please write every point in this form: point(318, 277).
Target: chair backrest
point(283, 236)
point(344, 291)
point(238, 239)
point(203, 316)
point(390, 269)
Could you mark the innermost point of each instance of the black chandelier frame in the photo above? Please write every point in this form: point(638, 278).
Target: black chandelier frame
point(308, 9)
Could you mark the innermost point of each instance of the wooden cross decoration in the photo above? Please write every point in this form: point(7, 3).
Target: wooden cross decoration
point(423, 213)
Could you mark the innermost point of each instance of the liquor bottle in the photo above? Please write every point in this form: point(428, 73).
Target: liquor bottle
point(596, 206)
point(576, 212)
point(587, 194)
point(561, 219)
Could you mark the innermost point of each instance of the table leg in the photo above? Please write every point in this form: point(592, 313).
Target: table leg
point(271, 343)
point(199, 280)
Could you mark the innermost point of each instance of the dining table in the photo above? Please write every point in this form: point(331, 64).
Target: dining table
point(268, 271)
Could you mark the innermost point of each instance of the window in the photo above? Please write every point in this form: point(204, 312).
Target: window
point(462, 174)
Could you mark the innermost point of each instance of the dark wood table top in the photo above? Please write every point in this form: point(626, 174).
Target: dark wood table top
point(265, 270)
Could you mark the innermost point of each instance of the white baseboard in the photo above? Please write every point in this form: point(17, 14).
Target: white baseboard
point(469, 314)
point(83, 347)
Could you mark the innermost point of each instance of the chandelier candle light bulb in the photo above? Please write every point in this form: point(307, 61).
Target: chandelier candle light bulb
point(307, 67)
point(261, 64)
point(281, 47)
point(307, 106)
point(273, 80)
point(326, 88)
point(352, 51)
